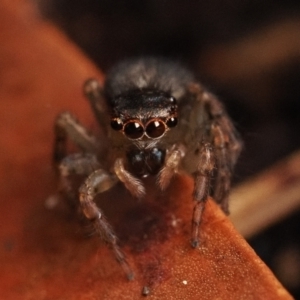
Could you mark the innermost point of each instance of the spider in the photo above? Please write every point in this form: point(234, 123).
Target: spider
point(157, 120)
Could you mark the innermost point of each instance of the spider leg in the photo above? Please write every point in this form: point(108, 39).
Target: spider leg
point(223, 177)
point(225, 141)
point(219, 117)
point(93, 91)
point(133, 184)
point(201, 188)
point(75, 164)
point(98, 182)
point(172, 161)
point(67, 126)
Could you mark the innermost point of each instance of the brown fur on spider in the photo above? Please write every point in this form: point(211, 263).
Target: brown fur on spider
point(158, 120)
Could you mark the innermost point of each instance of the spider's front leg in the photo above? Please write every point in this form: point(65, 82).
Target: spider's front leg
point(201, 188)
point(98, 182)
point(202, 178)
point(224, 139)
point(224, 167)
point(170, 167)
point(132, 184)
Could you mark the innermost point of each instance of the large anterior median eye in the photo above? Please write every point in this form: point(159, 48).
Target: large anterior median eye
point(134, 130)
point(155, 128)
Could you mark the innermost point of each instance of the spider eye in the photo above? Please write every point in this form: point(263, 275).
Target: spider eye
point(116, 124)
point(155, 128)
point(172, 122)
point(133, 130)
point(173, 107)
point(172, 100)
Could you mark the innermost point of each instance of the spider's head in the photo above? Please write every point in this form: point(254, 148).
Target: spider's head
point(144, 114)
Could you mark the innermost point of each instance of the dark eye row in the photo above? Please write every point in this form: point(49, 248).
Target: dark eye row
point(134, 129)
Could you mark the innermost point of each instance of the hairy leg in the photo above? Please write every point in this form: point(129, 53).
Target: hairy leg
point(132, 184)
point(67, 126)
point(98, 182)
point(201, 189)
point(93, 91)
point(223, 176)
point(172, 161)
point(224, 139)
point(75, 164)
point(219, 117)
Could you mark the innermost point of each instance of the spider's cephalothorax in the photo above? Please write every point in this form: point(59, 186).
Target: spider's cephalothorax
point(144, 117)
point(144, 114)
point(157, 121)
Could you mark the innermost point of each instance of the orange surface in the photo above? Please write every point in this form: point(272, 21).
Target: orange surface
point(44, 253)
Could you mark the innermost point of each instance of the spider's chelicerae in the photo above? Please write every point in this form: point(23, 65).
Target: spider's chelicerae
point(157, 121)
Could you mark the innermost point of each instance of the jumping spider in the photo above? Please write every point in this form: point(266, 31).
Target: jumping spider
point(157, 121)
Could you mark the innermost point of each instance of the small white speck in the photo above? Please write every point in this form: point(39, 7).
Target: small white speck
point(175, 222)
point(51, 201)
point(184, 282)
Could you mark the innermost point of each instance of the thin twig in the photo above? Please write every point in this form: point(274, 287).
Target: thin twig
point(267, 198)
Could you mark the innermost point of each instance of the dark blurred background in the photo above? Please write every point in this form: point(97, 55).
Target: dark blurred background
point(247, 52)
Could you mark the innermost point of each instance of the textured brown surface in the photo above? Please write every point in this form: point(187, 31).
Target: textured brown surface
point(43, 253)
